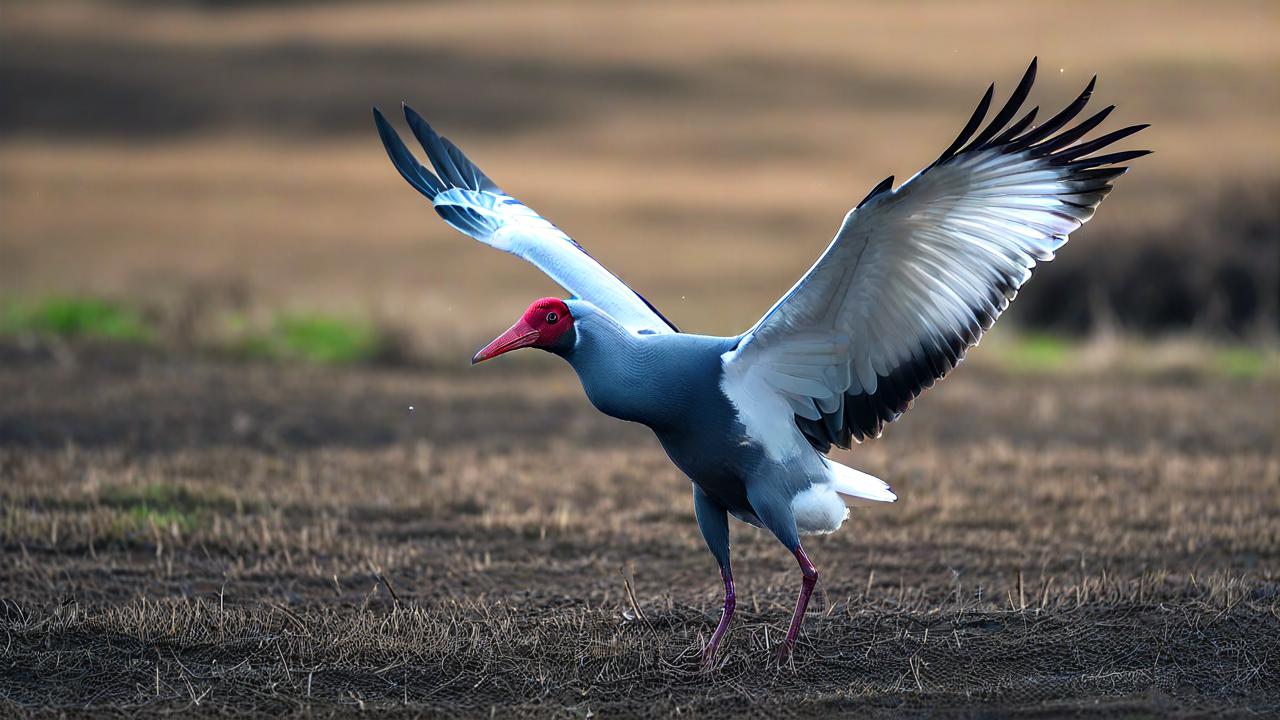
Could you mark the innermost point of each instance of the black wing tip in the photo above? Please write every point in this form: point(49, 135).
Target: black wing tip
point(405, 163)
point(384, 127)
point(427, 136)
point(413, 117)
point(423, 131)
point(975, 120)
point(988, 136)
point(1062, 147)
point(1067, 137)
point(884, 186)
point(1028, 77)
point(381, 121)
point(1006, 113)
point(1079, 153)
point(1110, 159)
point(452, 165)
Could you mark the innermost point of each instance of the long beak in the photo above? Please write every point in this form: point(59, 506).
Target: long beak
point(518, 336)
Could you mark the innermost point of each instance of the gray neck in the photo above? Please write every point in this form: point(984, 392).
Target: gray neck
point(649, 379)
point(604, 355)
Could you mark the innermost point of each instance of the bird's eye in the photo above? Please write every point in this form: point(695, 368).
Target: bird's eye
point(552, 318)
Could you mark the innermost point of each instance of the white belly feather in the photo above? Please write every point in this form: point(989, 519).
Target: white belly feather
point(818, 510)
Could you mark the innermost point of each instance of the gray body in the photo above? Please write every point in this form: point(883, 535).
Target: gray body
point(672, 384)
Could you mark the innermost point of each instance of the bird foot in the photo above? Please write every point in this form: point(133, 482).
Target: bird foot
point(709, 658)
point(782, 655)
point(710, 654)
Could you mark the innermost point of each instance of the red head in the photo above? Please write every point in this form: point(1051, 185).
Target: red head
point(543, 325)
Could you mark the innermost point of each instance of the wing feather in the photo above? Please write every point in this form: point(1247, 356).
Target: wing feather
point(472, 203)
point(917, 274)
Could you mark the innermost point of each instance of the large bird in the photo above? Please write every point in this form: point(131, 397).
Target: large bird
point(913, 278)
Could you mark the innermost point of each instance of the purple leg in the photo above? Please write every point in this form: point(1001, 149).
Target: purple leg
point(730, 602)
point(806, 589)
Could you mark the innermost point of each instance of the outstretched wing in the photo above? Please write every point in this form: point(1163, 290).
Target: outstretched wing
point(473, 204)
point(916, 275)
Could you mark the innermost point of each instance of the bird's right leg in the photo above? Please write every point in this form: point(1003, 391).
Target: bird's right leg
point(713, 521)
point(774, 510)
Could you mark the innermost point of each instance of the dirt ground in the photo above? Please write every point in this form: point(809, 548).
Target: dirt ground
point(199, 536)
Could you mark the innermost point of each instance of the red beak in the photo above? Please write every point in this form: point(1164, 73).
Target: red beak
point(519, 335)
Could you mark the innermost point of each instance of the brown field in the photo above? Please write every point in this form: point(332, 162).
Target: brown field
point(706, 153)
point(189, 535)
point(183, 532)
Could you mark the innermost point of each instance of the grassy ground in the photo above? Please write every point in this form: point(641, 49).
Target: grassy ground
point(194, 200)
point(194, 535)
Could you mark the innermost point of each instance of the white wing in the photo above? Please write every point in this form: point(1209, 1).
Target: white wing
point(915, 275)
point(473, 204)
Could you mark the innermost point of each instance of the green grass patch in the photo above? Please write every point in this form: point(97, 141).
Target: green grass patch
point(1035, 351)
point(142, 519)
point(316, 338)
point(163, 505)
point(307, 337)
point(75, 318)
point(1242, 362)
point(166, 497)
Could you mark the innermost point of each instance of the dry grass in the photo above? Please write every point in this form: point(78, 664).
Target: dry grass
point(546, 657)
point(195, 536)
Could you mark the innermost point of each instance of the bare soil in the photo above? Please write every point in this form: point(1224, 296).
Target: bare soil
point(206, 537)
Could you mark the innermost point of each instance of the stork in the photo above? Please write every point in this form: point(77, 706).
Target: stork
point(915, 275)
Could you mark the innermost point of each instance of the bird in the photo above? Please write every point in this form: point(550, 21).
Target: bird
point(915, 275)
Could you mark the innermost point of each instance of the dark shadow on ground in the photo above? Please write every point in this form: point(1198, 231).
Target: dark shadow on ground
point(103, 395)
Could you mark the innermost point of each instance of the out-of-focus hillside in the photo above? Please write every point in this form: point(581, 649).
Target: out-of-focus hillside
point(189, 155)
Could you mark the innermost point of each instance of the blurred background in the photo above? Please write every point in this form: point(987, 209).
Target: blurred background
point(206, 174)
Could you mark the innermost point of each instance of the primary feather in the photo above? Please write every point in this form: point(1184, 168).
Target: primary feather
point(473, 204)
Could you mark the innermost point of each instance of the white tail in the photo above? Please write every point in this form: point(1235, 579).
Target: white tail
point(852, 483)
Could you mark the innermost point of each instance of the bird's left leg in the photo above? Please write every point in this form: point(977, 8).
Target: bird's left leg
point(713, 521)
point(807, 583)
